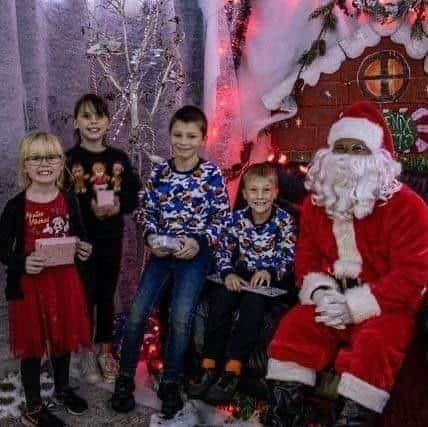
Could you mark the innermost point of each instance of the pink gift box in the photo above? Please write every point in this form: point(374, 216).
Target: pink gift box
point(105, 197)
point(57, 250)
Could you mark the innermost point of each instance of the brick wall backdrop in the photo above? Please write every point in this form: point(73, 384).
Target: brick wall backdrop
point(320, 105)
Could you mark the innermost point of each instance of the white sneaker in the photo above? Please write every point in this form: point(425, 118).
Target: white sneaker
point(89, 371)
point(108, 366)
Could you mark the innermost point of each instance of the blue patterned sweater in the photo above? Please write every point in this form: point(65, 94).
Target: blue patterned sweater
point(193, 203)
point(249, 247)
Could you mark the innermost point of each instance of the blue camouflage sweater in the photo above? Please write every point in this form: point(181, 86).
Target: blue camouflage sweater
point(192, 203)
point(249, 247)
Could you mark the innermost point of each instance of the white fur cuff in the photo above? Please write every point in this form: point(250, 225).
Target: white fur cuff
point(362, 303)
point(363, 393)
point(290, 371)
point(313, 281)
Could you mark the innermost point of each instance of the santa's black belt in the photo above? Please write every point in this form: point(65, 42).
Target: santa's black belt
point(347, 283)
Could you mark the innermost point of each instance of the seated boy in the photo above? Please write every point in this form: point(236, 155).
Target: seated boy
point(257, 249)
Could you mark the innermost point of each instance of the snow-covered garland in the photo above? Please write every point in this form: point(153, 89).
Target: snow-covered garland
point(385, 12)
point(380, 12)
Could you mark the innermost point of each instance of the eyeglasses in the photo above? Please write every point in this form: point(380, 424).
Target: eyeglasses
point(51, 159)
point(358, 148)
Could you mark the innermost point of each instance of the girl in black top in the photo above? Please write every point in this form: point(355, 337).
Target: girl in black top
point(96, 167)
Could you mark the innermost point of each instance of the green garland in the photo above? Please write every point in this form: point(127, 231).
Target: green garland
point(245, 406)
point(318, 47)
point(381, 13)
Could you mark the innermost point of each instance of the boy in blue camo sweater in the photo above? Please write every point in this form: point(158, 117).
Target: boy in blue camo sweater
point(185, 199)
point(257, 249)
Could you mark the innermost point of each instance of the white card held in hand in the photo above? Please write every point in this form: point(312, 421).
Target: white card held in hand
point(105, 197)
point(57, 250)
point(167, 243)
point(267, 291)
point(215, 278)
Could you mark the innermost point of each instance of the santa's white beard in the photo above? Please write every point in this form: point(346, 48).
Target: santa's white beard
point(349, 185)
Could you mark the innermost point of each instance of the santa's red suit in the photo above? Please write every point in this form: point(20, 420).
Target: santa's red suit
point(387, 251)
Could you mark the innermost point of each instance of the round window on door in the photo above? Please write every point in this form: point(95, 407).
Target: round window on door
point(383, 76)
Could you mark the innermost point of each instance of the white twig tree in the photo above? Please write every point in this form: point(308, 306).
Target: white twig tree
point(134, 48)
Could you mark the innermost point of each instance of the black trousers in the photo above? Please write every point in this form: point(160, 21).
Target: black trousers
point(30, 377)
point(101, 277)
point(225, 340)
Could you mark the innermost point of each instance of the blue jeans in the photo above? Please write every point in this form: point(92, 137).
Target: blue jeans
point(188, 281)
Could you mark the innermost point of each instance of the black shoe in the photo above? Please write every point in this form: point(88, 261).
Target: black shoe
point(198, 390)
point(223, 389)
point(41, 417)
point(172, 402)
point(285, 406)
point(123, 396)
point(355, 415)
point(73, 403)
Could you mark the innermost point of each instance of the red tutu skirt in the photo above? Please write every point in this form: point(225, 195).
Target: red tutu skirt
point(52, 318)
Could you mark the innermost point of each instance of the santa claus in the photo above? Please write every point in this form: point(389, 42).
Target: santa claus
point(362, 269)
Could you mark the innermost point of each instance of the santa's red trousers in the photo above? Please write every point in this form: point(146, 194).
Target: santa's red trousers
point(372, 351)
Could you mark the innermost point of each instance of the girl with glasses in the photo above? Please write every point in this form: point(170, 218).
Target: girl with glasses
point(42, 320)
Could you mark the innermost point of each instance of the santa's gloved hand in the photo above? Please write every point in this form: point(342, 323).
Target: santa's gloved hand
point(332, 308)
point(323, 297)
point(336, 315)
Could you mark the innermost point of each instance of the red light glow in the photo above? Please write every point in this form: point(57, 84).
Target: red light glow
point(282, 159)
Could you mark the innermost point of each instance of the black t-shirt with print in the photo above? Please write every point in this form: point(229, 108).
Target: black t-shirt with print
point(109, 169)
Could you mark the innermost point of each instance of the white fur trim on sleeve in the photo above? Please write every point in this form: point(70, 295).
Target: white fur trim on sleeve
point(363, 393)
point(357, 128)
point(290, 371)
point(362, 303)
point(313, 281)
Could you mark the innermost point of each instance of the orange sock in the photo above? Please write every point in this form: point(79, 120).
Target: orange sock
point(208, 363)
point(234, 366)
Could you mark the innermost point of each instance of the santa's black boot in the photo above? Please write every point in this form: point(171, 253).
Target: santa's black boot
point(285, 406)
point(353, 414)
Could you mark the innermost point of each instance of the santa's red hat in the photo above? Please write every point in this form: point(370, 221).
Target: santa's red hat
point(364, 121)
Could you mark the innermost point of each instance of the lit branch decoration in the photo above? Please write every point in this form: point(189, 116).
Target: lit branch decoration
point(140, 63)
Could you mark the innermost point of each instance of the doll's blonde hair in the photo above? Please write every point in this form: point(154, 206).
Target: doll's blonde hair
point(43, 144)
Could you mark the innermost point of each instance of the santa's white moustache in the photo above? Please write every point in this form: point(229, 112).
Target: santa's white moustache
point(348, 185)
